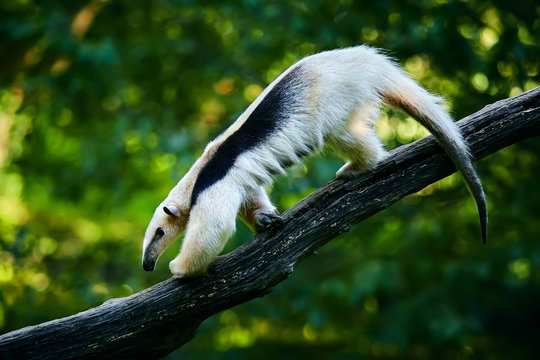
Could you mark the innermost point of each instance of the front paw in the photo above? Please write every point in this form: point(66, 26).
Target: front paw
point(182, 268)
point(264, 220)
point(176, 269)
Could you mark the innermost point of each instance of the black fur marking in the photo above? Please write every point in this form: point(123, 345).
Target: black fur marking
point(265, 119)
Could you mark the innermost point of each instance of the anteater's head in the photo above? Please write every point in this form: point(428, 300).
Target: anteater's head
point(168, 222)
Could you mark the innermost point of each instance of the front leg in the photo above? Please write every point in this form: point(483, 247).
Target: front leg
point(258, 212)
point(211, 222)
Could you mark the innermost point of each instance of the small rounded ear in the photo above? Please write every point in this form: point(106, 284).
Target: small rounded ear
point(172, 210)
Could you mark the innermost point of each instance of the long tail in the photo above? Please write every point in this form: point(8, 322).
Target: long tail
point(405, 94)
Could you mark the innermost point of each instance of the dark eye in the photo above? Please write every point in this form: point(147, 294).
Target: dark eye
point(159, 233)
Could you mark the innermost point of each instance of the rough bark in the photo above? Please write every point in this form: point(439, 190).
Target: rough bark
point(157, 320)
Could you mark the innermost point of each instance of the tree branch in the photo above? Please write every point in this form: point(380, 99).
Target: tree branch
point(160, 319)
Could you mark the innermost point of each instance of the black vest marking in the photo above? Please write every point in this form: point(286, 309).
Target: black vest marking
point(265, 119)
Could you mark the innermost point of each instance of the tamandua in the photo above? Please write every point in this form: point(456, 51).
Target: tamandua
point(330, 98)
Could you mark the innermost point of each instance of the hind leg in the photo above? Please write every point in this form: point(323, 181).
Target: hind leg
point(363, 154)
point(359, 144)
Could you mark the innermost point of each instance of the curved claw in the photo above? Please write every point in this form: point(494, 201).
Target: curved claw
point(266, 219)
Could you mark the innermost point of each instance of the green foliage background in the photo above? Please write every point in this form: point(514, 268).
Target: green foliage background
point(105, 104)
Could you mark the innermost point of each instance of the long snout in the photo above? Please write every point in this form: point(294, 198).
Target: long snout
point(149, 264)
point(149, 259)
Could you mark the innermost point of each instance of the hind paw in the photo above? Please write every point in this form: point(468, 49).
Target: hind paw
point(349, 171)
